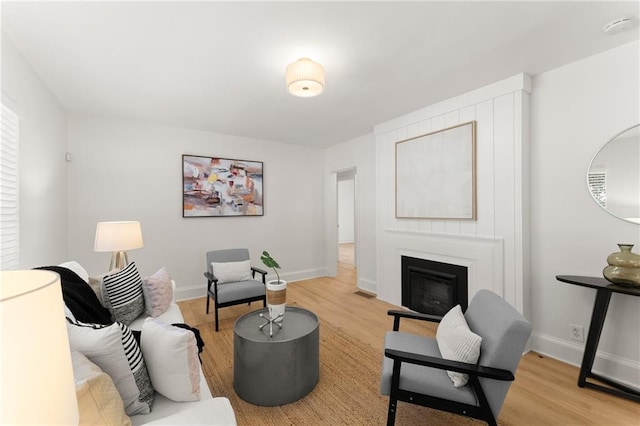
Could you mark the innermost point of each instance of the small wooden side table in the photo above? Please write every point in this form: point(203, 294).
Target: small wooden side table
point(604, 290)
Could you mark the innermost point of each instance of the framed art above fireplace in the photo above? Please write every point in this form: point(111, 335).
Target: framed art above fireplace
point(436, 176)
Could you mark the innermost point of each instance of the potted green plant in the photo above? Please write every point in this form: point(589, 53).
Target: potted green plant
point(276, 289)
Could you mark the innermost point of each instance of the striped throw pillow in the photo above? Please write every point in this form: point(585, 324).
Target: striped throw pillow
point(124, 291)
point(114, 349)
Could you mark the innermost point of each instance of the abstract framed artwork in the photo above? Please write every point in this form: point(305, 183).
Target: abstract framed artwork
point(436, 176)
point(221, 187)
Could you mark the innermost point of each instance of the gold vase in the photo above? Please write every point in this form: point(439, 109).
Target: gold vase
point(624, 267)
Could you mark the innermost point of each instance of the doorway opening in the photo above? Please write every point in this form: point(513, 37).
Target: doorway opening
point(347, 250)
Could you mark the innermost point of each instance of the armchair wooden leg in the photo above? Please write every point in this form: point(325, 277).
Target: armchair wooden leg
point(391, 413)
point(216, 318)
point(482, 401)
point(393, 399)
point(208, 303)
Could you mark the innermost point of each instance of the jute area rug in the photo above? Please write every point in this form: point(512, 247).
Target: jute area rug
point(346, 394)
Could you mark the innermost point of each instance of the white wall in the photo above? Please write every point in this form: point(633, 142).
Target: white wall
point(346, 205)
point(494, 246)
point(43, 189)
point(133, 171)
point(358, 154)
point(575, 110)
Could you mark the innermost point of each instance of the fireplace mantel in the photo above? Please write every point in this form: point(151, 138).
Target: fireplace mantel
point(483, 256)
point(462, 237)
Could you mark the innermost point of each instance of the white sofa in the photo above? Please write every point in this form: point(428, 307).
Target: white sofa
point(207, 411)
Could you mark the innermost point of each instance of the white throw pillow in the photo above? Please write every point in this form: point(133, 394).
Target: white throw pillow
point(457, 343)
point(114, 349)
point(158, 292)
point(229, 272)
point(171, 355)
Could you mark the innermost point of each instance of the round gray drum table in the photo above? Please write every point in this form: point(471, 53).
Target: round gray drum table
point(276, 370)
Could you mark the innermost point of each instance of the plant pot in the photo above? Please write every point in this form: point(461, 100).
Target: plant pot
point(276, 298)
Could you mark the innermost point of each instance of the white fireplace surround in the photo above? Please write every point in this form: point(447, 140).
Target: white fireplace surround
point(494, 246)
point(482, 256)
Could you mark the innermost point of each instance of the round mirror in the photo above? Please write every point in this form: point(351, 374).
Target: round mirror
point(614, 175)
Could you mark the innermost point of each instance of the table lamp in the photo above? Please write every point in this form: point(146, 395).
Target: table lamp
point(117, 237)
point(38, 387)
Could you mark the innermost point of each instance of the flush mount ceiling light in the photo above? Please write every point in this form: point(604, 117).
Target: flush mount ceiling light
point(305, 78)
point(617, 25)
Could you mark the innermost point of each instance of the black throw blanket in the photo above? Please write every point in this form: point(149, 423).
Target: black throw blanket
point(80, 297)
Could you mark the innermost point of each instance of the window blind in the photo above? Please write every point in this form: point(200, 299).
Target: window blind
point(9, 207)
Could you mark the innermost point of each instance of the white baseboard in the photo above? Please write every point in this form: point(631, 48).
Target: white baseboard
point(199, 290)
point(368, 285)
point(619, 369)
point(306, 274)
point(191, 292)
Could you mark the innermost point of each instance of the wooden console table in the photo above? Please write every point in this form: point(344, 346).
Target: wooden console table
point(604, 290)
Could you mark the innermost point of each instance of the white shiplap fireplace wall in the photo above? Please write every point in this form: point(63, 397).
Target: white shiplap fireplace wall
point(494, 246)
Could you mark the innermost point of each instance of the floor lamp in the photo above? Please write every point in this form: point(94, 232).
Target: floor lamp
point(38, 387)
point(117, 237)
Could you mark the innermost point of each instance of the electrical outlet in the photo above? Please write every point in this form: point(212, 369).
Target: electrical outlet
point(577, 332)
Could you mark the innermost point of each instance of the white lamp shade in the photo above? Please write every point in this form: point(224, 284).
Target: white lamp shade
point(118, 236)
point(38, 387)
point(305, 78)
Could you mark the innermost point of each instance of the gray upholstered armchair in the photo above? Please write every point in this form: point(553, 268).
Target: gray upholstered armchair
point(414, 370)
point(231, 279)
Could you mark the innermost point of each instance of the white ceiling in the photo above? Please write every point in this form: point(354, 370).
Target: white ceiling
point(219, 66)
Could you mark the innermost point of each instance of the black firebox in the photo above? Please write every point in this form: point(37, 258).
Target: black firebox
point(431, 287)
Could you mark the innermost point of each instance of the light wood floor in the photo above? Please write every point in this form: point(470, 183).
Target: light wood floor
point(346, 255)
point(544, 392)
